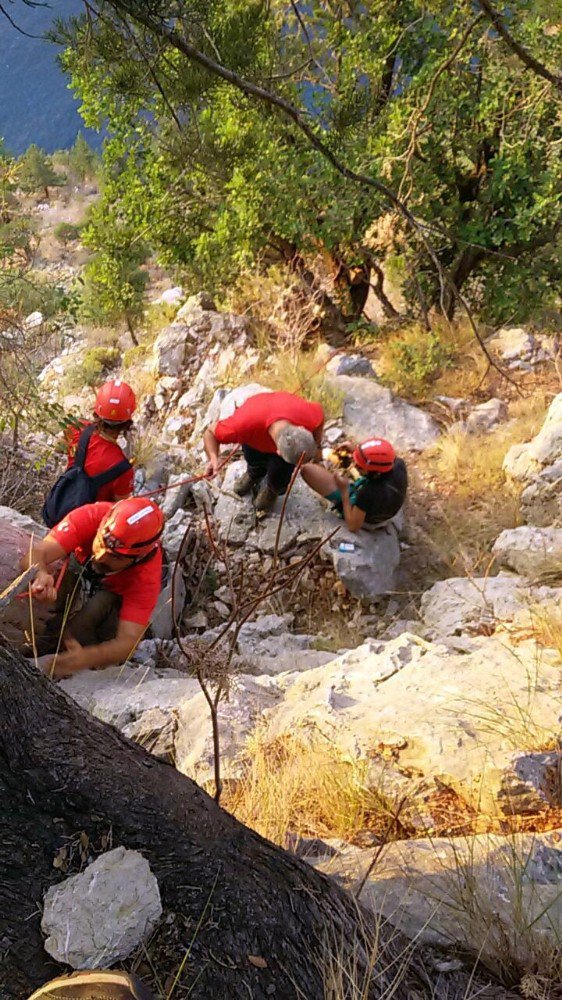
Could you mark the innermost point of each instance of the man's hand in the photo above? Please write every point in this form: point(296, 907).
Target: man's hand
point(71, 662)
point(43, 587)
point(213, 465)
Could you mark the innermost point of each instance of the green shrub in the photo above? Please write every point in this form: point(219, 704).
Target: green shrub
point(415, 359)
point(93, 368)
point(66, 232)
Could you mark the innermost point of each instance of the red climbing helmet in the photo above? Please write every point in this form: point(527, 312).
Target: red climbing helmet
point(132, 527)
point(374, 455)
point(115, 402)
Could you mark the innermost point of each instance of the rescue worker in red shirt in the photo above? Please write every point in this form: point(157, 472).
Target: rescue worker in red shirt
point(116, 557)
point(113, 409)
point(275, 430)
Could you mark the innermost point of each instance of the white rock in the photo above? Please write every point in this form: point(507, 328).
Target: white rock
point(171, 297)
point(531, 551)
point(122, 695)
point(524, 461)
point(369, 408)
point(476, 894)
point(454, 718)
point(541, 500)
point(33, 321)
point(486, 415)
point(513, 343)
point(176, 494)
point(473, 604)
point(99, 917)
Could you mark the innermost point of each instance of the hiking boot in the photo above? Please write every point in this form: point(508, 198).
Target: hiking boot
point(265, 499)
point(245, 484)
point(94, 985)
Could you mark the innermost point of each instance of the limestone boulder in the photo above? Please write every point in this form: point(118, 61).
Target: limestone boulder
point(350, 364)
point(482, 894)
point(531, 551)
point(420, 711)
point(514, 343)
point(472, 605)
point(98, 917)
point(196, 323)
point(538, 465)
point(240, 713)
point(124, 695)
point(369, 408)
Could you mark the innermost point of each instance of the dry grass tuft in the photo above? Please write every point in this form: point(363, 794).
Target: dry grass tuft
point(471, 502)
point(305, 788)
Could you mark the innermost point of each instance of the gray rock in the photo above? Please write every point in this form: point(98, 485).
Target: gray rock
point(541, 501)
point(486, 416)
point(122, 695)
point(174, 532)
point(170, 297)
point(474, 893)
point(170, 348)
point(155, 731)
point(175, 496)
point(370, 568)
point(16, 532)
point(369, 408)
point(473, 605)
point(523, 462)
point(99, 917)
point(462, 719)
point(170, 605)
point(531, 551)
point(239, 714)
point(350, 364)
point(513, 343)
point(203, 301)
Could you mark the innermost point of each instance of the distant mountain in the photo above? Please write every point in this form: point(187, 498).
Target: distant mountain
point(35, 103)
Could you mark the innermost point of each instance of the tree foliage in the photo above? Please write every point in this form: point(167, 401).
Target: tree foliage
point(36, 171)
point(428, 99)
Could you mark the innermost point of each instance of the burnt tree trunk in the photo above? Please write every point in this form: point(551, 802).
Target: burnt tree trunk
point(62, 772)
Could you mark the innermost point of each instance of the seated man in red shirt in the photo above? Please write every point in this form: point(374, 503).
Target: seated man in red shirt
point(275, 430)
point(114, 406)
point(115, 554)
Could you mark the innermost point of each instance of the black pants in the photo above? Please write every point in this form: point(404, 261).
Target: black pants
point(262, 465)
point(89, 620)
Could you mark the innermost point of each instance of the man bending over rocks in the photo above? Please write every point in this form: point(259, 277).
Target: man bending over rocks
point(114, 573)
point(275, 430)
point(376, 490)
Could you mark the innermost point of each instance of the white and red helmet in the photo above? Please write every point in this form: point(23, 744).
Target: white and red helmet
point(374, 455)
point(131, 528)
point(115, 402)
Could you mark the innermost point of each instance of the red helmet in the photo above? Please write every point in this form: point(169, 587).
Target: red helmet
point(115, 402)
point(374, 455)
point(132, 527)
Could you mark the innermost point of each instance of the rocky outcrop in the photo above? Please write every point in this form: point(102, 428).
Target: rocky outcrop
point(538, 466)
point(16, 532)
point(479, 605)
point(519, 348)
point(533, 552)
point(491, 895)
point(369, 408)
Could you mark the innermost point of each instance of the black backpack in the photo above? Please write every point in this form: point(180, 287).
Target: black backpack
point(75, 488)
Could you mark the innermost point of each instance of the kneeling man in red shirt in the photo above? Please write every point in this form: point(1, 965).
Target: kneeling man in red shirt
point(116, 559)
point(275, 430)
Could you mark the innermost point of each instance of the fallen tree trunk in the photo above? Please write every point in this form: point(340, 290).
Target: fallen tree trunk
point(63, 772)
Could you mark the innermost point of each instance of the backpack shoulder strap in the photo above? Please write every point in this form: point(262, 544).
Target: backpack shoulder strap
point(82, 447)
point(103, 478)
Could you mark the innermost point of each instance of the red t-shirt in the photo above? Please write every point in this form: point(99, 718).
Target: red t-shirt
point(101, 455)
point(250, 423)
point(138, 586)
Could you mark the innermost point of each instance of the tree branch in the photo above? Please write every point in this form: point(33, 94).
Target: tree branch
point(520, 51)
